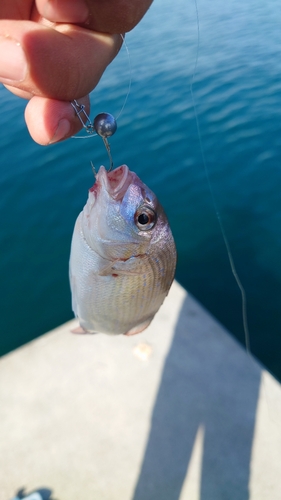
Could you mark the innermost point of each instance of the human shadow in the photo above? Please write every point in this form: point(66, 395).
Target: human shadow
point(209, 381)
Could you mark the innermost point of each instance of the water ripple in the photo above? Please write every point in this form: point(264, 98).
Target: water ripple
point(237, 89)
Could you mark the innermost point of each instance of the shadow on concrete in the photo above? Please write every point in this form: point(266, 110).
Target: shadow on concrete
point(207, 381)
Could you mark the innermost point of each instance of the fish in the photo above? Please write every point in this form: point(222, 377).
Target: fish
point(123, 255)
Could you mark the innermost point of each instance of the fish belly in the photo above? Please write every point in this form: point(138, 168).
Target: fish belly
point(114, 303)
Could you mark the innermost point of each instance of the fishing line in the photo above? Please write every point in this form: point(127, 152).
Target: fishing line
point(130, 77)
point(267, 384)
point(218, 215)
point(80, 111)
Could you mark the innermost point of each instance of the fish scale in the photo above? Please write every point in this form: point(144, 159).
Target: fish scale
point(123, 255)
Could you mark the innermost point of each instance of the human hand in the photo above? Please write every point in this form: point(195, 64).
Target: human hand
point(54, 51)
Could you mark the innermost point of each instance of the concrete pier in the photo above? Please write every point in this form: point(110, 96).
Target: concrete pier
point(178, 412)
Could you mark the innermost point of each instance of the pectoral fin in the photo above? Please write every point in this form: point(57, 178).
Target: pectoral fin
point(131, 266)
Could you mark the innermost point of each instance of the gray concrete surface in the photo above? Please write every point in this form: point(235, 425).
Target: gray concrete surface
point(179, 412)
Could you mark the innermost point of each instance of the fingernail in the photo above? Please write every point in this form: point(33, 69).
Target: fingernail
point(62, 131)
point(13, 65)
point(71, 11)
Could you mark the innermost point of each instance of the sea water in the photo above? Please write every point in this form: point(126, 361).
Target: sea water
point(237, 89)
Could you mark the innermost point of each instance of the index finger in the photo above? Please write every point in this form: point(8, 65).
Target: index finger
point(107, 16)
point(63, 62)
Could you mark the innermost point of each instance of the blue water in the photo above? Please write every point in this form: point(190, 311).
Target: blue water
point(237, 88)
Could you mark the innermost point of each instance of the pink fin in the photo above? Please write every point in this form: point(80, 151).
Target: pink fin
point(79, 329)
point(139, 328)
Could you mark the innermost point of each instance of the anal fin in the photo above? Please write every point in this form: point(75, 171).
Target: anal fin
point(139, 328)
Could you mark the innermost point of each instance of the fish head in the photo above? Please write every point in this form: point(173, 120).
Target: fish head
point(122, 217)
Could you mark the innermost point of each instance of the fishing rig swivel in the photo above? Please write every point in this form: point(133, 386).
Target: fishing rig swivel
point(104, 125)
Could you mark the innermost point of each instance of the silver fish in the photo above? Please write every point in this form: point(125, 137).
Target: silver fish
point(123, 255)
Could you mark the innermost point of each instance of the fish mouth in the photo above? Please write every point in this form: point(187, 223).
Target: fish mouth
point(116, 182)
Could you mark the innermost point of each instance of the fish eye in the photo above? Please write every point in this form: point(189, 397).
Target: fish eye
point(145, 218)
